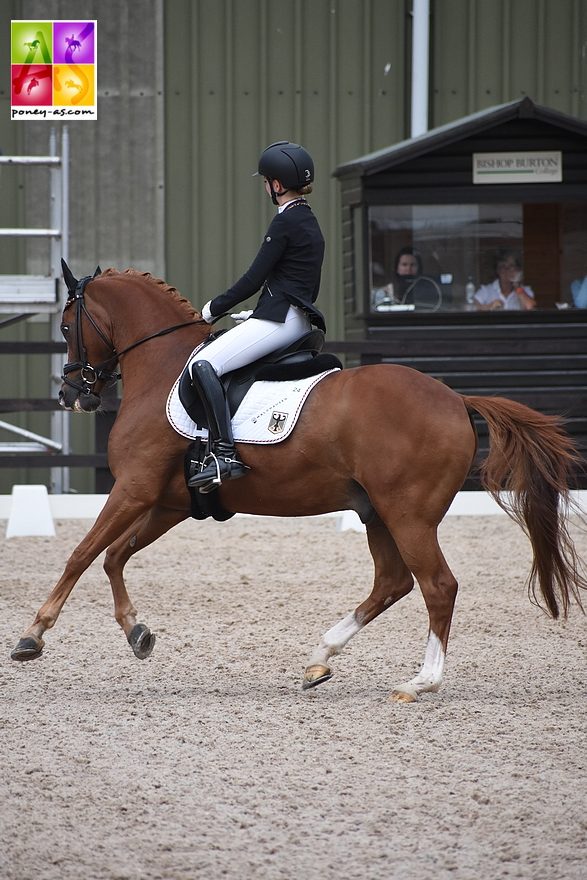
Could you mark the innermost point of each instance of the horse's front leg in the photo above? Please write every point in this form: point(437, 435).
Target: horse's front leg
point(392, 581)
point(117, 514)
point(147, 529)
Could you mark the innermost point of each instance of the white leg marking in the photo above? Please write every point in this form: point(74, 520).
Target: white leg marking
point(334, 640)
point(430, 676)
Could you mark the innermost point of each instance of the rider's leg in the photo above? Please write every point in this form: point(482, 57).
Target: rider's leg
point(237, 347)
point(253, 339)
point(222, 462)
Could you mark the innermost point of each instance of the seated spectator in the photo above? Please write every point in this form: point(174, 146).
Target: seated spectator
point(408, 264)
point(579, 292)
point(409, 287)
point(507, 291)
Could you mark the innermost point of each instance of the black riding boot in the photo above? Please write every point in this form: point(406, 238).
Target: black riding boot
point(221, 463)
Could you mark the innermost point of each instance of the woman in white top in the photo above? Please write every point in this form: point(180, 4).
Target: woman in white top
point(506, 292)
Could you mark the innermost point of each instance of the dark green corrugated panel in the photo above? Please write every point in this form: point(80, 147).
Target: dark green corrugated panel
point(487, 53)
point(243, 73)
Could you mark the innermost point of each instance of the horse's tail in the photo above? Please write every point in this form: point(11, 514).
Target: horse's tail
point(531, 459)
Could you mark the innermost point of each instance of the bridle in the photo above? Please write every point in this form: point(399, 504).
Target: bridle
point(88, 373)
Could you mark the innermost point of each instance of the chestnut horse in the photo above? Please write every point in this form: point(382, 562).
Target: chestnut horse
point(352, 449)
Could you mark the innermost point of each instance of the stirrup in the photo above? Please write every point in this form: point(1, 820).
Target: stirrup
point(215, 469)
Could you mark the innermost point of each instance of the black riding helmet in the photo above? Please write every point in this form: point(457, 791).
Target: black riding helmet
point(289, 163)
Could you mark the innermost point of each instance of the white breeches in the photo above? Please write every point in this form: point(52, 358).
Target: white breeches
point(253, 339)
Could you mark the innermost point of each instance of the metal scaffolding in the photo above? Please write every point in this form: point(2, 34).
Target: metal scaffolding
point(26, 295)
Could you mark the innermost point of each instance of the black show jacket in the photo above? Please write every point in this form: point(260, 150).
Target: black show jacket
point(287, 267)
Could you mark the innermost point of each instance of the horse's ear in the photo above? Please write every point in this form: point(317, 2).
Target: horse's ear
point(97, 272)
point(68, 276)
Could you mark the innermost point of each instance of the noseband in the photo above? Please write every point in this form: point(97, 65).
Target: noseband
point(90, 374)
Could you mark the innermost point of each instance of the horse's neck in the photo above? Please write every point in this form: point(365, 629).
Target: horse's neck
point(157, 353)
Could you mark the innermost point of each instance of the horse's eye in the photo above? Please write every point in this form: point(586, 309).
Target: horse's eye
point(65, 330)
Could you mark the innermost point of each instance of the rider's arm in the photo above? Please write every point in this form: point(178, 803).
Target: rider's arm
point(270, 252)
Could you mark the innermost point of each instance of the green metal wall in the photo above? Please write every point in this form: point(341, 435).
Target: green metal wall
point(240, 74)
point(487, 52)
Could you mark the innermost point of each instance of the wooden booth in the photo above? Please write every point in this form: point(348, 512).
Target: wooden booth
point(430, 224)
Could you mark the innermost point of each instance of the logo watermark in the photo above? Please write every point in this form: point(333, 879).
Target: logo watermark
point(53, 70)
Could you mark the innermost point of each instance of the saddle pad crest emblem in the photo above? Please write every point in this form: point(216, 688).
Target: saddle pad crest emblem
point(277, 422)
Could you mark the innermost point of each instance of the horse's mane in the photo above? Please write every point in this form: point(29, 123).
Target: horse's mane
point(161, 285)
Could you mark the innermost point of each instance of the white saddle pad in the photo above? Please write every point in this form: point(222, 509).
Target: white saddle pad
point(267, 414)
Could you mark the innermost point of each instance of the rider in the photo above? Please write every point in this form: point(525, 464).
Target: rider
point(287, 269)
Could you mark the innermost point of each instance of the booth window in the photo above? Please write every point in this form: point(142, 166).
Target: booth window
point(437, 257)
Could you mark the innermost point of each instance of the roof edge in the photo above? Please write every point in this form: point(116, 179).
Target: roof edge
point(459, 129)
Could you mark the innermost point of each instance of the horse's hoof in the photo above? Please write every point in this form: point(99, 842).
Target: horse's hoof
point(315, 675)
point(403, 697)
point(141, 640)
point(28, 649)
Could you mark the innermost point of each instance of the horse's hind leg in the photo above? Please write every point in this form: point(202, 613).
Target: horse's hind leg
point(144, 531)
point(392, 580)
point(419, 546)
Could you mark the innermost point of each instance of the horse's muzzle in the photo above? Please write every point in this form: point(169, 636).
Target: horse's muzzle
point(72, 399)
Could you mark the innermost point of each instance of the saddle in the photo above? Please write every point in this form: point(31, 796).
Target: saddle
point(301, 359)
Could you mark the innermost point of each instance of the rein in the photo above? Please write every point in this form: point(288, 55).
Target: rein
point(90, 374)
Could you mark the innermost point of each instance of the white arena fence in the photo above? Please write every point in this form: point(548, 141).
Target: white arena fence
point(30, 510)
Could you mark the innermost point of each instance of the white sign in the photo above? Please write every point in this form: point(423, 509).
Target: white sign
point(531, 167)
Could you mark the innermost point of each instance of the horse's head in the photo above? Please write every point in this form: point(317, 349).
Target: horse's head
point(90, 352)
